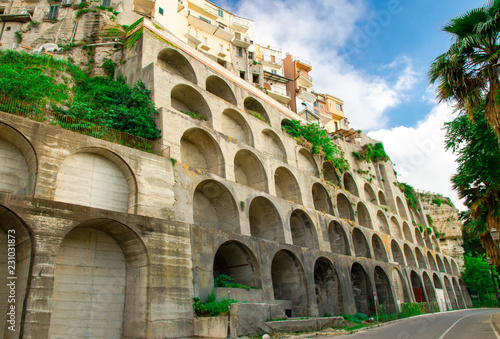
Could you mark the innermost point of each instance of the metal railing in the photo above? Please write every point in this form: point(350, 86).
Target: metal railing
point(267, 58)
point(240, 23)
point(280, 90)
point(19, 10)
point(304, 61)
point(36, 112)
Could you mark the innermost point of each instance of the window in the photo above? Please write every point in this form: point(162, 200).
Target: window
point(239, 51)
point(339, 107)
point(106, 3)
point(160, 10)
point(220, 12)
point(336, 126)
point(237, 35)
point(242, 75)
point(274, 71)
point(255, 78)
point(273, 58)
point(221, 48)
point(329, 102)
point(315, 104)
point(53, 12)
point(204, 41)
point(250, 55)
point(322, 106)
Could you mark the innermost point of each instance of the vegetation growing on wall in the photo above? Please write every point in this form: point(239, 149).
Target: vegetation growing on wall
point(320, 142)
point(67, 89)
point(211, 307)
point(372, 152)
point(228, 281)
point(410, 195)
point(134, 37)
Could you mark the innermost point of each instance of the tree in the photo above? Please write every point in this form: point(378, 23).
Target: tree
point(478, 175)
point(466, 71)
point(478, 280)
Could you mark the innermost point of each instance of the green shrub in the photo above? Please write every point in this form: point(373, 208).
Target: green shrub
point(211, 307)
point(372, 152)
point(410, 195)
point(436, 201)
point(227, 281)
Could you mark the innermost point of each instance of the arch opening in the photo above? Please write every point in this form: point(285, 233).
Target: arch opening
point(173, 61)
point(429, 288)
point(420, 258)
point(200, 150)
point(235, 126)
point(321, 199)
point(384, 292)
point(432, 262)
point(400, 287)
point(344, 207)
point(418, 290)
point(379, 249)
point(248, 171)
point(350, 184)
point(410, 258)
point(307, 163)
point(381, 198)
point(364, 218)
point(286, 185)
point(383, 225)
point(272, 145)
point(370, 194)
point(328, 290)
point(265, 221)
point(330, 174)
point(397, 254)
point(187, 100)
point(361, 248)
point(401, 208)
point(407, 232)
point(362, 290)
point(303, 230)
point(395, 229)
point(220, 88)
point(338, 239)
point(253, 107)
point(451, 294)
point(237, 261)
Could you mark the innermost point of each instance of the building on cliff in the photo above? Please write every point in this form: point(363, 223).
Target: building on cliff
point(113, 241)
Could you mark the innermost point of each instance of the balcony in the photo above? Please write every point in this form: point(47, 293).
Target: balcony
point(240, 25)
point(303, 64)
point(199, 21)
point(271, 61)
point(145, 7)
point(19, 14)
point(305, 95)
point(223, 33)
point(180, 5)
point(241, 40)
point(205, 47)
point(304, 80)
point(193, 38)
point(279, 94)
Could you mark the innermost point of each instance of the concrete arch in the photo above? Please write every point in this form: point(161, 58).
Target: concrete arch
point(289, 283)
point(113, 263)
point(429, 288)
point(381, 198)
point(451, 293)
point(303, 230)
point(420, 258)
point(407, 232)
point(364, 218)
point(360, 244)
point(397, 254)
point(436, 243)
point(173, 61)
point(307, 163)
point(286, 185)
point(410, 257)
point(419, 238)
point(427, 239)
point(265, 221)
point(218, 87)
point(13, 230)
point(418, 287)
point(20, 164)
point(328, 289)
point(253, 106)
point(447, 266)
point(362, 290)
point(370, 194)
point(330, 174)
point(272, 144)
point(440, 292)
point(432, 262)
point(437, 281)
point(285, 122)
point(214, 207)
point(237, 261)
point(344, 207)
point(400, 287)
point(96, 177)
point(200, 150)
point(350, 184)
point(234, 125)
point(383, 288)
point(248, 171)
point(440, 264)
point(465, 293)
point(454, 267)
point(458, 294)
point(321, 199)
point(395, 229)
point(383, 225)
point(186, 99)
point(379, 249)
point(401, 208)
point(339, 243)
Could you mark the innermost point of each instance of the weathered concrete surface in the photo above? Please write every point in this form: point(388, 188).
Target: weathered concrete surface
point(241, 294)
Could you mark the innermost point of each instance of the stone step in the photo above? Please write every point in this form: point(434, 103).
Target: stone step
point(304, 324)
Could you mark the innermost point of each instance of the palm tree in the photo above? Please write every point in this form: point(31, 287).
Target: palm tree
point(466, 73)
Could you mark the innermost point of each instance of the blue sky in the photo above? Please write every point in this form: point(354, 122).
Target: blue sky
point(375, 56)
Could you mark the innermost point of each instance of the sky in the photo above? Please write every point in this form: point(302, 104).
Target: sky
point(374, 55)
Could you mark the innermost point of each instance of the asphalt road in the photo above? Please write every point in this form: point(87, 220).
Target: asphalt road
point(464, 324)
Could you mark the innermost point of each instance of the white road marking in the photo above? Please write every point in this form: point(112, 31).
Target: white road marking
point(493, 328)
point(448, 330)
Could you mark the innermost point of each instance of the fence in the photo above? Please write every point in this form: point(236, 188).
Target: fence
point(36, 112)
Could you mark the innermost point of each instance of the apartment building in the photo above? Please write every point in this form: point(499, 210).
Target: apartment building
point(331, 112)
point(301, 97)
point(275, 81)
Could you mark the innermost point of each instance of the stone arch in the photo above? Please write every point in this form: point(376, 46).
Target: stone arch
point(401, 208)
point(200, 150)
point(437, 281)
point(383, 225)
point(265, 221)
point(428, 241)
point(285, 122)
point(379, 249)
point(436, 244)
point(96, 177)
point(253, 106)
point(362, 290)
point(432, 262)
point(395, 229)
point(397, 254)
point(458, 294)
point(330, 174)
point(218, 87)
point(465, 293)
point(112, 262)
point(410, 257)
point(286, 185)
point(303, 230)
point(454, 267)
point(272, 144)
point(364, 218)
point(321, 198)
point(214, 207)
point(306, 162)
point(361, 248)
point(407, 232)
point(339, 242)
point(248, 170)
point(419, 238)
point(438, 287)
point(420, 258)
point(370, 194)
point(429, 288)
point(381, 198)
point(400, 288)
point(289, 283)
point(440, 264)
point(344, 207)
point(328, 290)
point(170, 59)
point(451, 293)
point(20, 165)
point(418, 289)
point(186, 99)
point(447, 266)
point(13, 230)
point(383, 287)
point(234, 125)
point(237, 261)
point(350, 184)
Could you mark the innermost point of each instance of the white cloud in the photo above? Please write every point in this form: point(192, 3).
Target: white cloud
point(418, 153)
